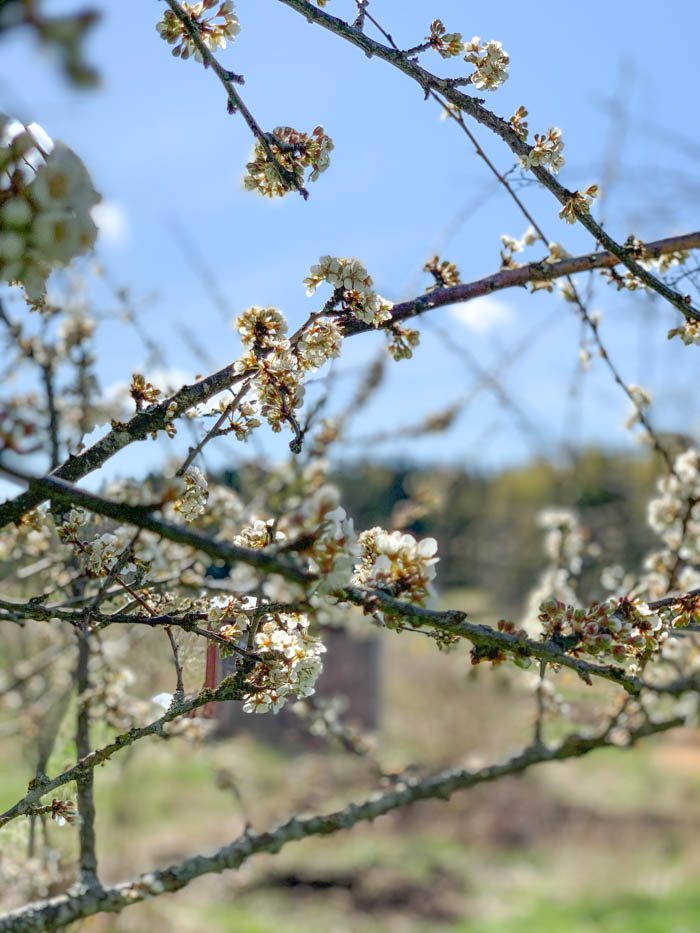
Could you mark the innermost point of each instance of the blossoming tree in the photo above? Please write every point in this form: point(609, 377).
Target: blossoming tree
point(81, 565)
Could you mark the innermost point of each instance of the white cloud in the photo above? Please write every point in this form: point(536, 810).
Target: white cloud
point(112, 222)
point(482, 315)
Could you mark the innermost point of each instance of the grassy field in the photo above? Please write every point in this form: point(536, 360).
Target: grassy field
point(610, 843)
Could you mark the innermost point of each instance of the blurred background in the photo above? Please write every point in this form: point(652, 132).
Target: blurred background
point(493, 420)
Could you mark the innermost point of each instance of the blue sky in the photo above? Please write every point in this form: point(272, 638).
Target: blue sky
point(620, 79)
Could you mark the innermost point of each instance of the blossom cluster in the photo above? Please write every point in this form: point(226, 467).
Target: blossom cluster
point(354, 286)
point(623, 628)
point(579, 202)
point(689, 333)
point(448, 44)
point(666, 261)
point(258, 534)
point(334, 551)
point(276, 365)
point(102, 553)
point(213, 34)
point(315, 527)
point(194, 500)
point(683, 611)
point(295, 152)
point(490, 63)
point(518, 123)
point(309, 525)
point(143, 392)
point(512, 245)
point(262, 328)
point(318, 343)
point(33, 536)
point(45, 200)
point(63, 811)
point(658, 265)
point(546, 152)
point(403, 342)
point(289, 656)
point(397, 563)
point(242, 418)
point(445, 273)
point(277, 390)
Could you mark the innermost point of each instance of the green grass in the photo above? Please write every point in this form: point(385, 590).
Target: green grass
point(675, 912)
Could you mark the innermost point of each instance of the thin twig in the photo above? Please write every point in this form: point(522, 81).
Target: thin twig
point(47, 374)
point(179, 687)
point(212, 432)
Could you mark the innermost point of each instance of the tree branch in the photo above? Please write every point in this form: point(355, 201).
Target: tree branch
point(511, 278)
point(140, 427)
point(155, 418)
point(139, 515)
point(472, 106)
point(235, 101)
point(228, 689)
point(62, 910)
point(454, 622)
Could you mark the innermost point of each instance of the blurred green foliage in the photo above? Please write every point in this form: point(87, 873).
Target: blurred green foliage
point(678, 912)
